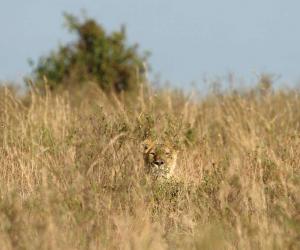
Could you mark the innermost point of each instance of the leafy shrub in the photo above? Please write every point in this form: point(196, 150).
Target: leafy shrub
point(95, 56)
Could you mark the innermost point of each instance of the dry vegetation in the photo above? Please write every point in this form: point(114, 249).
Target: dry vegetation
point(71, 173)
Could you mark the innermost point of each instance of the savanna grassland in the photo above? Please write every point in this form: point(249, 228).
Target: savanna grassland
point(71, 170)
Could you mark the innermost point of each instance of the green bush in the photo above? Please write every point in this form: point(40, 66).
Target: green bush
point(96, 56)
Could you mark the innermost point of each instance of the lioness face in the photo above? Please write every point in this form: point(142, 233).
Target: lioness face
point(160, 159)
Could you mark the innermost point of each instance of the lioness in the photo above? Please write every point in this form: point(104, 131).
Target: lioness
point(160, 159)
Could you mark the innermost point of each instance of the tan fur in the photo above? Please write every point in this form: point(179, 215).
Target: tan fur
point(160, 159)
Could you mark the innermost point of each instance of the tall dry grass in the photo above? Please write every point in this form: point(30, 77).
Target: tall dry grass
point(71, 171)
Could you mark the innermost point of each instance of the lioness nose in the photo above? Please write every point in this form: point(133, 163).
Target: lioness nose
point(159, 162)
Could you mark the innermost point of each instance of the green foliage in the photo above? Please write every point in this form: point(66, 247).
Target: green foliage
point(95, 56)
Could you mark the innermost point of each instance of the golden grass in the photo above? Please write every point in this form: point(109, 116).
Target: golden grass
point(71, 171)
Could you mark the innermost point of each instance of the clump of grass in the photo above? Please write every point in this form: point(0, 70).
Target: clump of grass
point(72, 176)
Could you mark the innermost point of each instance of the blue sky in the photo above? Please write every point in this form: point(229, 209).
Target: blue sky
point(188, 39)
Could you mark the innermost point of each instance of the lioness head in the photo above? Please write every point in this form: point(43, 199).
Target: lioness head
point(160, 159)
